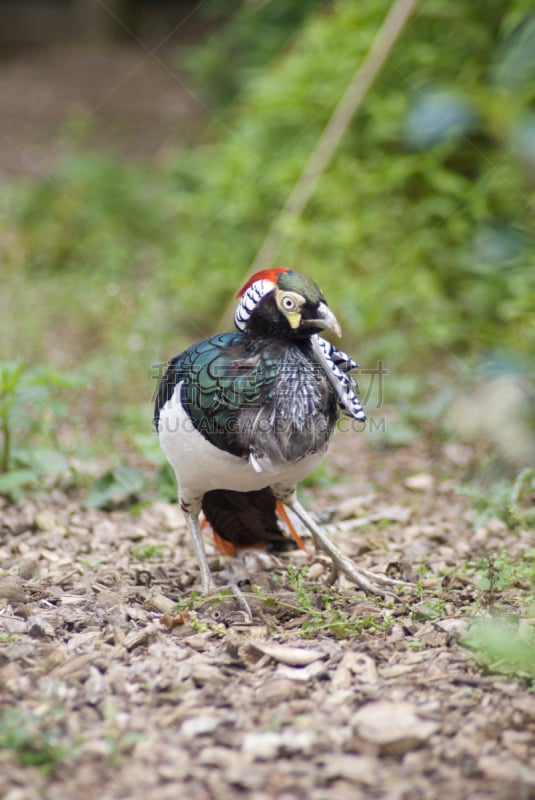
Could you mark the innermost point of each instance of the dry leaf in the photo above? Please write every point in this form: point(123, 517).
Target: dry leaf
point(175, 620)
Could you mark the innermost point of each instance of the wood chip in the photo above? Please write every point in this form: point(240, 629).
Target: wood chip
point(457, 626)
point(302, 674)
point(46, 520)
point(507, 769)
point(12, 590)
point(266, 746)
point(141, 637)
point(204, 674)
point(263, 746)
point(76, 665)
point(393, 728)
point(286, 654)
point(353, 768)
point(39, 628)
point(422, 482)
point(197, 726)
point(354, 667)
point(159, 602)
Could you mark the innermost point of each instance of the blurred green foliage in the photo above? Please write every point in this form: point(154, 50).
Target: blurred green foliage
point(243, 43)
point(32, 402)
point(511, 503)
point(421, 231)
point(93, 213)
point(35, 737)
point(121, 485)
point(503, 645)
point(430, 237)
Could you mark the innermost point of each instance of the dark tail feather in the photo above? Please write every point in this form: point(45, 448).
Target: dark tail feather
point(245, 519)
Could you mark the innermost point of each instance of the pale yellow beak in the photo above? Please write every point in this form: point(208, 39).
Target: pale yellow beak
point(326, 320)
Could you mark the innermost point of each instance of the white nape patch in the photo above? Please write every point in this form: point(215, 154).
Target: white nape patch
point(201, 466)
point(249, 301)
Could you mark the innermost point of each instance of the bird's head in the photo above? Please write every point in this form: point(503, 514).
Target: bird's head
point(282, 302)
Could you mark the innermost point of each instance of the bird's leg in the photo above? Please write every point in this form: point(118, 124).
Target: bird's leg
point(207, 582)
point(192, 521)
point(365, 579)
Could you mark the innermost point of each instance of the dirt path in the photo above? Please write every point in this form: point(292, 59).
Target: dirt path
point(109, 691)
point(117, 99)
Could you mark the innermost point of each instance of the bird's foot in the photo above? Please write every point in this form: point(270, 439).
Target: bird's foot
point(365, 579)
point(370, 582)
point(242, 601)
point(218, 598)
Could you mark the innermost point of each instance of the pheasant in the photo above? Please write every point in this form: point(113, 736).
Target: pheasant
point(243, 417)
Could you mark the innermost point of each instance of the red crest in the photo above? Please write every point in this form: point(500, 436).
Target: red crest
point(264, 275)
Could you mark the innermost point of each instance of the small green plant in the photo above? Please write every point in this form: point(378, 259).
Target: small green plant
point(119, 742)
point(7, 638)
point(296, 580)
point(503, 645)
point(498, 572)
point(36, 739)
point(323, 611)
point(427, 609)
point(10, 377)
point(202, 627)
point(416, 644)
point(31, 404)
point(506, 501)
point(147, 552)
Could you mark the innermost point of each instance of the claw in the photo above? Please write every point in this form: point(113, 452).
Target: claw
point(365, 579)
point(242, 601)
point(370, 582)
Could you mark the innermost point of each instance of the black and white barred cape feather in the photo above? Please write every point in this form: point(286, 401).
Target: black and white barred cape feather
point(336, 364)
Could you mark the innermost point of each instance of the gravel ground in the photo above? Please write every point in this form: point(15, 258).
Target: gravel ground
point(114, 685)
point(119, 100)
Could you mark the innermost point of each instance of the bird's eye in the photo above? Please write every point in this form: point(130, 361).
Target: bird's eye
point(288, 302)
